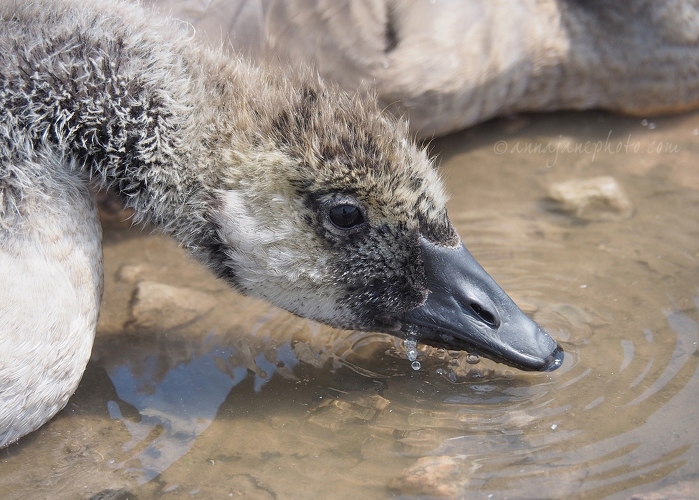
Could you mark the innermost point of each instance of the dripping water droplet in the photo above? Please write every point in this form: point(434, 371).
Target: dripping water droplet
point(410, 345)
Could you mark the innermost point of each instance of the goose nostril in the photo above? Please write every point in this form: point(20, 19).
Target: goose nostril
point(485, 315)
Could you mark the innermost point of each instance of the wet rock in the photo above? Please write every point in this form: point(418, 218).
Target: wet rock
point(599, 198)
point(161, 306)
point(688, 490)
point(440, 476)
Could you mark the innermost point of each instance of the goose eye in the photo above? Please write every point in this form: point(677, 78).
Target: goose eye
point(346, 216)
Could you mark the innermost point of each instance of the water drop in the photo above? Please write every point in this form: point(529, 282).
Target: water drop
point(410, 345)
point(416, 365)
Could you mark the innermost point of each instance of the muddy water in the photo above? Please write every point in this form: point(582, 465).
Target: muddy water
point(194, 391)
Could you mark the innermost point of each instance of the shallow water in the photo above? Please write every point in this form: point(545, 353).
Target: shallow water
point(194, 391)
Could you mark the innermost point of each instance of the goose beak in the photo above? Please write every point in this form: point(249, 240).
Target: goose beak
point(466, 310)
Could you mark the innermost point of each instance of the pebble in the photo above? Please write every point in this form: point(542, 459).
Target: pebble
point(157, 305)
point(598, 198)
point(433, 476)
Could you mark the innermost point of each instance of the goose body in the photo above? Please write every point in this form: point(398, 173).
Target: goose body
point(51, 262)
point(285, 187)
point(449, 64)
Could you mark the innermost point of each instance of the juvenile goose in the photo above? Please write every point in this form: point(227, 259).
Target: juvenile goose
point(285, 187)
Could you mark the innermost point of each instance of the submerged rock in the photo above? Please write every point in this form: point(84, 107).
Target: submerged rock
point(438, 476)
point(161, 306)
point(599, 198)
point(337, 413)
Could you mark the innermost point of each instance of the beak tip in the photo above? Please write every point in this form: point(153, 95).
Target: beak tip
point(554, 360)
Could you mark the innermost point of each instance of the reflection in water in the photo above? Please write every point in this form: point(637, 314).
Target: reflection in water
point(245, 400)
point(174, 410)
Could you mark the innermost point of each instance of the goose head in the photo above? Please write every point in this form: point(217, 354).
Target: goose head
point(334, 214)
